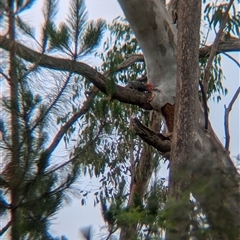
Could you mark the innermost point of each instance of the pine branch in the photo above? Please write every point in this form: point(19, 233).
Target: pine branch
point(78, 154)
point(54, 101)
point(86, 106)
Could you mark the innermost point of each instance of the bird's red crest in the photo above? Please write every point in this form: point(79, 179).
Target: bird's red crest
point(149, 87)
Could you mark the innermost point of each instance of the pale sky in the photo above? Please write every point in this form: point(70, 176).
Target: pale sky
point(74, 216)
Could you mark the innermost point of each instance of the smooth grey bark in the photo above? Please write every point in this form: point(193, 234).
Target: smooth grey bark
point(157, 37)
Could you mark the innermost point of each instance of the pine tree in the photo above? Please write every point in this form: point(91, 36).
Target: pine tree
point(33, 186)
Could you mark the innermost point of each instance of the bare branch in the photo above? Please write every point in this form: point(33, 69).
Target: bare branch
point(4, 75)
point(157, 140)
point(79, 153)
point(72, 120)
point(5, 228)
point(130, 60)
point(226, 118)
point(215, 47)
point(233, 59)
point(228, 45)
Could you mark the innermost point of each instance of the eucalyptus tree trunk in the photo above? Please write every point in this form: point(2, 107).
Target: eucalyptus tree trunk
point(199, 163)
point(185, 134)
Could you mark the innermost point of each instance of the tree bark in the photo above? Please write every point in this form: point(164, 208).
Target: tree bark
point(157, 38)
point(184, 134)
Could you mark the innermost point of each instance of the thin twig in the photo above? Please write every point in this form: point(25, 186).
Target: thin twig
point(79, 153)
point(4, 229)
point(226, 118)
point(4, 75)
point(85, 107)
point(213, 52)
point(233, 59)
point(54, 101)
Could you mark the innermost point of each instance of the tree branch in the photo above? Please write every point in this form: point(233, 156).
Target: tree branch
point(157, 140)
point(233, 59)
point(122, 94)
point(229, 45)
point(130, 60)
point(5, 228)
point(72, 120)
point(226, 118)
point(54, 169)
point(54, 101)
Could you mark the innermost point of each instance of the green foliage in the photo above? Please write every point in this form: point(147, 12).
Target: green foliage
point(92, 36)
point(59, 38)
point(84, 36)
point(49, 12)
point(215, 85)
point(24, 5)
point(34, 181)
point(41, 186)
point(24, 27)
point(214, 14)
